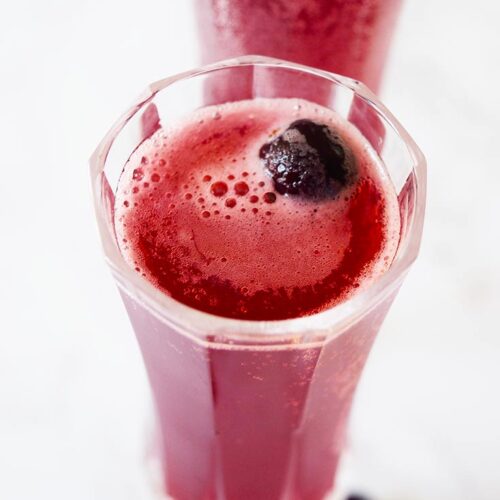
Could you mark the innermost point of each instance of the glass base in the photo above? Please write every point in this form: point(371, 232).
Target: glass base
point(409, 467)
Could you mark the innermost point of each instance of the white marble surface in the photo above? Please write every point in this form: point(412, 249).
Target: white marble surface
point(73, 394)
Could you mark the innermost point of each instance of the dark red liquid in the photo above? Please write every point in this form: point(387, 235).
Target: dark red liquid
point(198, 217)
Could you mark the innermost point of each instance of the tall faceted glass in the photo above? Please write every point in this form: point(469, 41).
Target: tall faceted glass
point(252, 410)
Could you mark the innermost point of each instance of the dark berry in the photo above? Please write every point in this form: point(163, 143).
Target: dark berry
point(308, 159)
point(356, 496)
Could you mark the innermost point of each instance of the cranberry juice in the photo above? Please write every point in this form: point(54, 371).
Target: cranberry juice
point(232, 212)
point(344, 36)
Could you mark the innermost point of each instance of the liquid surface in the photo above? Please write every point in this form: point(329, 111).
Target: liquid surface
point(196, 214)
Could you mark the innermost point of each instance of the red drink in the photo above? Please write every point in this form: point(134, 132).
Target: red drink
point(250, 423)
point(348, 37)
point(198, 215)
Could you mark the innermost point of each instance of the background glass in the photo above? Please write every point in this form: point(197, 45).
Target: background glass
point(348, 37)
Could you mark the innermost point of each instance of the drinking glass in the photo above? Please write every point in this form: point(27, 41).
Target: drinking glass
point(350, 37)
point(251, 410)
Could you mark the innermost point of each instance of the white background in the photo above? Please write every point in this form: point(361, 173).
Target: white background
point(73, 394)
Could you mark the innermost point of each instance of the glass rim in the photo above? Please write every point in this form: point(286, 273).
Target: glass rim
point(199, 324)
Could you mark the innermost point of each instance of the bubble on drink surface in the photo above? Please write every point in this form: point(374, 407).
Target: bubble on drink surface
point(219, 188)
point(138, 174)
point(241, 188)
point(269, 197)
